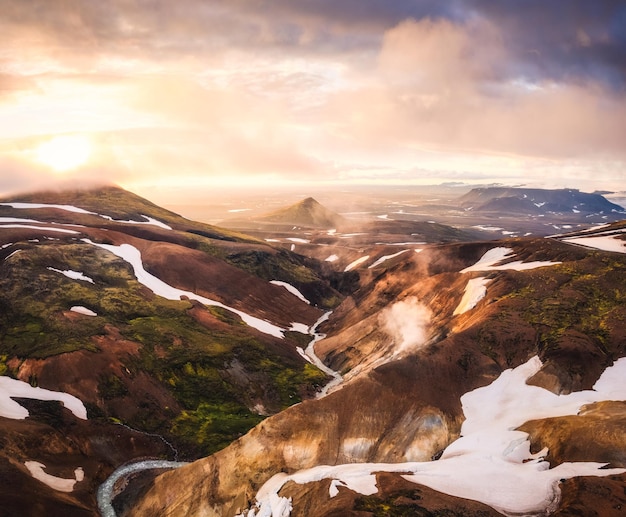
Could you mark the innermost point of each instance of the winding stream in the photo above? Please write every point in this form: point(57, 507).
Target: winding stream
point(310, 353)
point(105, 490)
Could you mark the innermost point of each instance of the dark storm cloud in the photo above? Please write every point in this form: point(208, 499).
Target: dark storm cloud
point(163, 26)
point(573, 40)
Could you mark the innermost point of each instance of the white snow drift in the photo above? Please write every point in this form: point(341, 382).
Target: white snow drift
point(293, 290)
point(490, 260)
point(475, 290)
point(14, 388)
point(609, 242)
point(74, 275)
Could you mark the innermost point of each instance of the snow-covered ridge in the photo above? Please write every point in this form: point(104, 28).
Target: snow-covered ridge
point(15, 388)
point(133, 256)
point(490, 462)
point(490, 260)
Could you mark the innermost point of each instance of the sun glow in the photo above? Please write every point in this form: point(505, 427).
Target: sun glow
point(64, 153)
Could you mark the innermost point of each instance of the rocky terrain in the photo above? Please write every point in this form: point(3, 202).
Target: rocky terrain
point(462, 376)
point(169, 332)
point(409, 359)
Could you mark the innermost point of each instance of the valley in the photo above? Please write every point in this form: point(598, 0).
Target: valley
point(401, 353)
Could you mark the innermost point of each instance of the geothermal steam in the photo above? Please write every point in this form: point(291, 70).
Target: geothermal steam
point(407, 322)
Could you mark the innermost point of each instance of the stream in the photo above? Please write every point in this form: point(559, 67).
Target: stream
point(105, 490)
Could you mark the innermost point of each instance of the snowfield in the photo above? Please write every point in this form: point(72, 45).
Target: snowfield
point(475, 290)
point(491, 461)
point(490, 260)
point(610, 242)
point(14, 388)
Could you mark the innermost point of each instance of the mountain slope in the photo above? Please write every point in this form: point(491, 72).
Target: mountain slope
point(539, 201)
point(167, 326)
point(551, 315)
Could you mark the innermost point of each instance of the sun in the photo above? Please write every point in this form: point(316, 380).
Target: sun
point(64, 153)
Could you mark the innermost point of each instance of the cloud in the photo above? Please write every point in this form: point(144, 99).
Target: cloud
point(323, 89)
point(448, 86)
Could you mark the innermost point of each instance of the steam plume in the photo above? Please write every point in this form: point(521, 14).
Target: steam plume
point(407, 322)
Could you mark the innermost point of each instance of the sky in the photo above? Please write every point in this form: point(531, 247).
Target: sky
point(179, 98)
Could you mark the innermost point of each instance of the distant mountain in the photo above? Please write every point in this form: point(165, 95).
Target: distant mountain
point(539, 201)
point(307, 212)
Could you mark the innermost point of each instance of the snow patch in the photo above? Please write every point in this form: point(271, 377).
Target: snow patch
point(70, 208)
point(36, 470)
point(82, 310)
point(33, 227)
point(310, 352)
point(293, 290)
point(385, 258)
point(15, 388)
point(67, 208)
point(74, 275)
point(489, 261)
point(602, 242)
point(475, 290)
point(356, 263)
point(489, 228)
point(299, 327)
point(331, 258)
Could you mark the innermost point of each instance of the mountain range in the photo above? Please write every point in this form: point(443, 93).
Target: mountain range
point(539, 201)
point(456, 377)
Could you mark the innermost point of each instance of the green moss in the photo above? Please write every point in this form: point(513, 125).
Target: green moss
point(404, 503)
point(213, 426)
point(111, 386)
point(586, 298)
point(190, 362)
